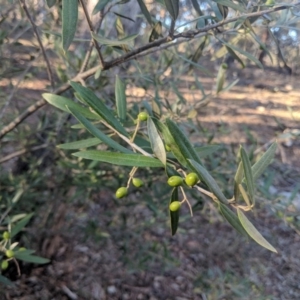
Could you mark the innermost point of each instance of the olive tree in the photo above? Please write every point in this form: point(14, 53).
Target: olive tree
point(98, 70)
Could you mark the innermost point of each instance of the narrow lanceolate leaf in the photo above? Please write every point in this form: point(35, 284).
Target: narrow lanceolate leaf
point(174, 215)
point(98, 106)
point(20, 225)
point(130, 160)
point(259, 167)
point(145, 11)
point(198, 53)
point(232, 5)
point(99, 6)
point(125, 41)
point(186, 148)
point(248, 174)
point(97, 132)
point(156, 32)
point(197, 8)
point(173, 8)
point(244, 195)
point(62, 103)
point(207, 178)
point(204, 151)
point(31, 258)
point(163, 129)
point(69, 22)
point(221, 77)
point(51, 3)
point(157, 144)
point(235, 56)
point(232, 218)
point(238, 180)
point(120, 99)
point(80, 144)
point(247, 54)
point(253, 232)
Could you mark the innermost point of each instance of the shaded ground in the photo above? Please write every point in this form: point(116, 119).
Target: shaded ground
point(96, 255)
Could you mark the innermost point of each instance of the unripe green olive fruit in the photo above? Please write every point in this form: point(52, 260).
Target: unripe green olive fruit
point(22, 249)
point(191, 179)
point(4, 265)
point(175, 181)
point(143, 116)
point(9, 253)
point(121, 192)
point(174, 206)
point(137, 182)
point(6, 235)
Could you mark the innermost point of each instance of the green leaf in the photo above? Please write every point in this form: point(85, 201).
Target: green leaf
point(198, 53)
point(80, 144)
point(232, 5)
point(221, 77)
point(248, 174)
point(248, 55)
point(62, 103)
point(97, 132)
point(204, 151)
point(174, 215)
point(182, 142)
point(98, 106)
point(232, 219)
point(207, 178)
point(125, 41)
point(99, 6)
point(131, 160)
point(262, 45)
point(163, 129)
point(253, 232)
point(196, 65)
point(197, 7)
point(119, 28)
point(145, 11)
point(259, 167)
point(235, 56)
point(173, 8)
point(215, 9)
point(51, 3)
point(244, 195)
point(20, 225)
point(69, 22)
point(22, 255)
point(238, 180)
point(120, 99)
point(156, 32)
point(157, 144)
point(6, 281)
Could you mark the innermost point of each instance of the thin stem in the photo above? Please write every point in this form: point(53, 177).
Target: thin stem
point(185, 199)
point(136, 130)
point(20, 152)
point(102, 62)
point(49, 71)
point(131, 174)
point(127, 140)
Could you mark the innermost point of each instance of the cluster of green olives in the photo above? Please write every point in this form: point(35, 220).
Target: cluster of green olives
point(123, 191)
point(191, 179)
